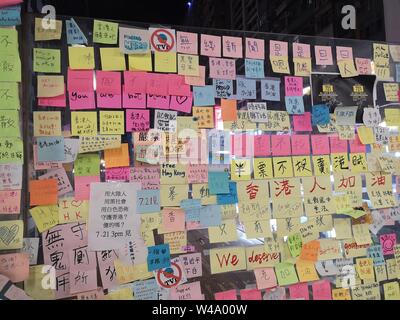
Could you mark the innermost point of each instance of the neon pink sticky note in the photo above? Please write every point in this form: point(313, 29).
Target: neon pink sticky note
point(58, 102)
point(300, 145)
point(135, 82)
point(280, 145)
point(299, 291)
point(177, 86)
point(241, 145)
point(81, 100)
point(356, 146)
point(226, 295)
point(137, 120)
point(80, 80)
point(250, 294)
point(337, 145)
point(199, 81)
point(108, 89)
point(182, 104)
point(344, 53)
point(222, 69)
point(322, 290)
point(7, 3)
point(262, 145)
point(278, 48)
point(323, 55)
point(232, 47)
point(294, 86)
point(82, 187)
point(301, 50)
point(157, 84)
point(320, 144)
point(132, 100)
point(265, 278)
point(118, 174)
point(302, 122)
point(186, 42)
point(111, 101)
point(255, 48)
point(388, 242)
point(210, 45)
point(158, 102)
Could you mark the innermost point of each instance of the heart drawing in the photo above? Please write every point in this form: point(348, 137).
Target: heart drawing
point(8, 234)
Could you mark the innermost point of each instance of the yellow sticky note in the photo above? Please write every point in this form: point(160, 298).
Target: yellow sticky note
point(306, 271)
point(340, 162)
point(71, 210)
point(45, 217)
point(262, 256)
point(364, 292)
point(347, 68)
point(283, 167)
point(257, 229)
point(47, 123)
point(341, 294)
point(392, 116)
point(177, 241)
point(392, 290)
point(263, 168)
point(226, 232)
point(188, 65)
point(83, 123)
point(172, 195)
point(365, 268)
point(381, 61)
point(165, 62)
point(361, 234)
point(227, 260)
point(128, 272)
point(280, 64)
point(358, 163)
point(302, 166)
point(46, 60)
point(105, 32)
point(33, 285)
point(202, 192)
point(81, 58)
point(204, 117)
point(322, 165)
point(11, 234)
point(366, 135)
point(150, 221)
point(120, 294)
point(112, 122)
point(343, 228)
point(112, 59)
point(302, 67)
point(50, 86)
point(140, 62)
point(44, 29)
point(173, 173)
point(391, 94)
point(241, 170)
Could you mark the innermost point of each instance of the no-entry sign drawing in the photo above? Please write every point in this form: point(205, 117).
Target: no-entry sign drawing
point(172, 276)
point(162, 40)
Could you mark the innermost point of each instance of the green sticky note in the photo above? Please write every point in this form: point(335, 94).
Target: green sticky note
point(46, 60)
point(9, 95)
point(10, 67)
point(9, 123)
point(87, 165)
point(11, 151)
point(295, 244)
point(8, 40)
point(286, 274)
point(105, 32)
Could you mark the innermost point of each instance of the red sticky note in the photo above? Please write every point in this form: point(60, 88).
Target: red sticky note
point(250, 294)
point(302, 123)
point(226, 295)
point(356, 146)
point(300, 145)
point(262, 145)
point(337, 145)
point(299, 291)
point(320, 144)
point(322, 290)
point(281, 146)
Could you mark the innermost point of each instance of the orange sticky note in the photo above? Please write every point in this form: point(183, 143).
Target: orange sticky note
point(43, 192)
point(229, 110)
point(310, 251)
point(118, 157)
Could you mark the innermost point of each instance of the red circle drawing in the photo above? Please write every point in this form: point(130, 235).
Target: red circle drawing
point(157, 34)
point(168, 275)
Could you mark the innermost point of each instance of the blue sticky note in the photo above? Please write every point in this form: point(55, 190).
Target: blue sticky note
point(223, 88)
point(158, 257)
point(50, 149)
point(210, 216)
point(145, 289)
point(10, 16)
point(192, 215)
point(271, 89)
point(148, 201)
point(376, 253)
point(245, 89)
point(74, 33)
point(231, 198)
point(218, 182)
point(254, 68)
point(294, 105)
point(398, 72)
point(188, 204)
point(320, 115)
point(203, 96)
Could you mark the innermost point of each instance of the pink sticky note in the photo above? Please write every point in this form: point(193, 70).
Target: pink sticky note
point(322, 290)
point(199, 81)
point(192, 265)
point(294, 86)
point(226, 295)
point(337, 145)
point(15, 266)
point(7, 3)
point(147, 176)
point(109, 101)
point(187, 291)
point(83, 273)
point(137, 120)
point(265, 278)
point(82, 187)
point(356, 146)
point(80, 80)
point(158, 102)
point(105, 261)
point(108, 89)
point(222, 69)
point(210, 45)
point(177, 86)
point(118, 174)
point(197, 173)
point(278, 48)
point(241, 145)
point(301, 50)
point(250, 294)
point(79, 100)
point(363, 66)
point(232, 47)
point(388, 242)
point(135, 82)
point(320, 144)
point(344, 53)
point(262, 145)
point(187, 42)
point(10, 201)
point(302, 123)
point(280, 145)
point(299, 291)
point(300, 145)
point(157, 84)
point(132, 100)
point(58, 102)
point(323, 55)
point(173, 220)
point(255, 48)
point(182, 104)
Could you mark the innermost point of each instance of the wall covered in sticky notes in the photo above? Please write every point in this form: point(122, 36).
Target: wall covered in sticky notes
point(175, 164)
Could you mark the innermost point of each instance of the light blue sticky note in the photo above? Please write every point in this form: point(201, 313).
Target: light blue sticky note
point(320, 115)
point(50, 149)
point(10, 16)
point(145, 289)
point(203, 96)
point(74, 33)
point(376, 253)
point(254, 68)
point(246, 89)
point(294, 105)
point(218, 182)
point(223, 88)
point(188, 204)
point(231, 198)
point(158, 257)
point(148, 201)
point(210, 216)
point(271, 89)
point(192, 215)
point(398, 72)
